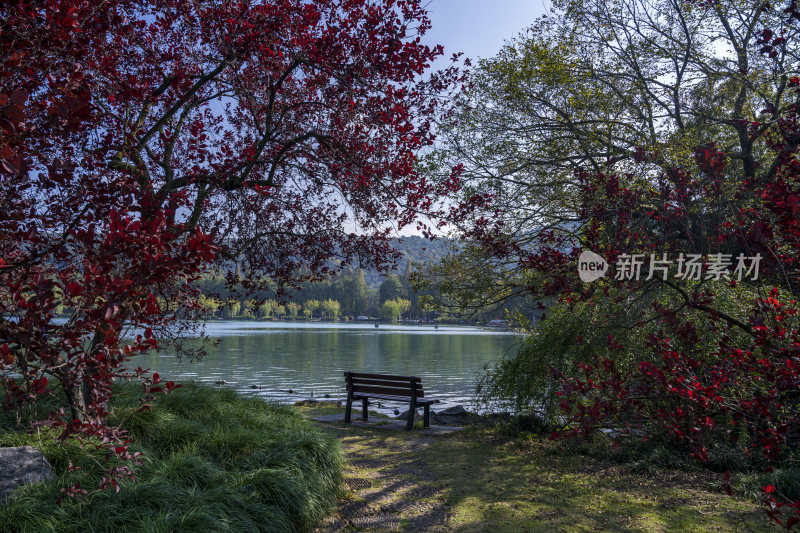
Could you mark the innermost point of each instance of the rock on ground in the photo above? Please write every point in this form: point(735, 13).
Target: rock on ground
point(434, 420)
point(22, 465)
point(453, 416)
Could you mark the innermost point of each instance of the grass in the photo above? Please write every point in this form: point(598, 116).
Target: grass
point(491, 481)
point(212, 461)
point(536, 486)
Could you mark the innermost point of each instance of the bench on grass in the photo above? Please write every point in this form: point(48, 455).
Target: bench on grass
point(389, 388)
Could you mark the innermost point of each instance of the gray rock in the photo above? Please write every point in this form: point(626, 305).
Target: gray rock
point(453, 416)
point(404, 415)
point(22, 465)
point(434, 420)
point(456, 410)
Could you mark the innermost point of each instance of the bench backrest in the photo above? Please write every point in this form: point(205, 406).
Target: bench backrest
point(383, 384)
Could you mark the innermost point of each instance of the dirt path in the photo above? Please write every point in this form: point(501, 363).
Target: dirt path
point(390, 487)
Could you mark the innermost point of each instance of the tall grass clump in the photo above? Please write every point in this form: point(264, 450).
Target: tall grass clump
point(213, 461)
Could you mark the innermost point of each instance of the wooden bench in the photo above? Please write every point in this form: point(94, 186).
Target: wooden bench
point(390, 388)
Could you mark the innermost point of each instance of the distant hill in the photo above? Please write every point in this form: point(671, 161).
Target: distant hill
point(413, 249)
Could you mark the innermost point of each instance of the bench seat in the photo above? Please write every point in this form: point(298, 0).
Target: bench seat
point(420, 401)
point(390, 388)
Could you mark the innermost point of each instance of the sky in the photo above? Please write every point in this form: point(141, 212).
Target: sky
point(479, 27)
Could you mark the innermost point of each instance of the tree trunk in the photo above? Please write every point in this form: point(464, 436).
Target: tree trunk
point(75, 395)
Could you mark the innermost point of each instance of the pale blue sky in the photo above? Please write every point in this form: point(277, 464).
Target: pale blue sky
point(479, 27)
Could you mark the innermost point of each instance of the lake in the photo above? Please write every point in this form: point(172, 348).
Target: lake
point(310, 358)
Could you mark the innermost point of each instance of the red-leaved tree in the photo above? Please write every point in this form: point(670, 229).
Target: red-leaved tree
point(144, 140)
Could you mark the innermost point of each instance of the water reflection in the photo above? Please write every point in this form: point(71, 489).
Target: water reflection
point(309, 358)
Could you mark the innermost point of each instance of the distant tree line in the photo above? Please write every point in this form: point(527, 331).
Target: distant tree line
point(352, 293)
point(348, 295)
point(339, 296)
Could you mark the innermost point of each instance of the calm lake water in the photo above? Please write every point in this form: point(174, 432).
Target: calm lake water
point(310, 358)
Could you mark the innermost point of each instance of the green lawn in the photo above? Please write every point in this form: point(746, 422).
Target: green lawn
point(497, 483)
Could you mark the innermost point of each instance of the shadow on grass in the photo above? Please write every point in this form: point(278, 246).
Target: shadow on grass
point(489, 482)
point(494, 485)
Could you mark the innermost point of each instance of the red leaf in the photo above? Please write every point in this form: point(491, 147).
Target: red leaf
point(19, 97)
point(14, 114)
point(10, 165)
point(39, 385)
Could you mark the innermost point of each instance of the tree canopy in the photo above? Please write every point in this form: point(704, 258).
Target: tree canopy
point(659, 134)
point(144, 140)
point(602, 86)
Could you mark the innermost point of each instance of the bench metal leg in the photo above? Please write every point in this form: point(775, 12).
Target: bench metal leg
point(426, 416)
point(364, 404)
point(347, 409)
point(412, 410)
